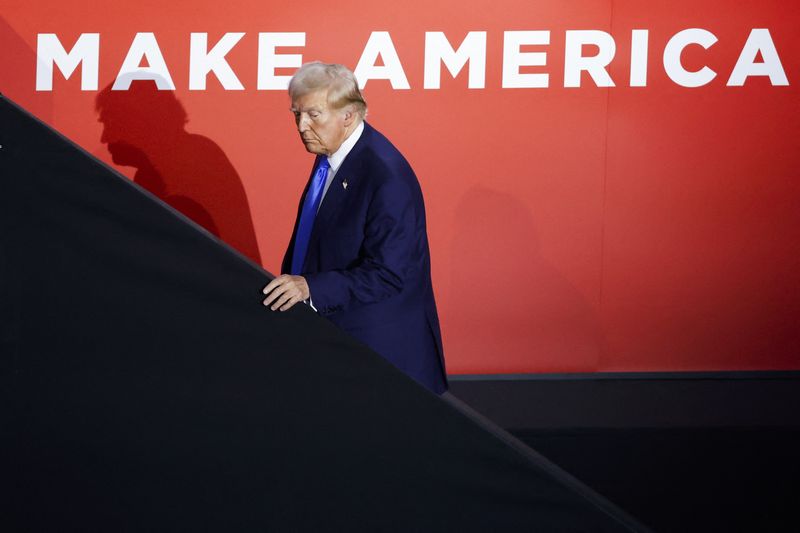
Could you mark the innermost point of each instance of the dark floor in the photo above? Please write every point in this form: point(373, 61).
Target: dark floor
point(686, 480)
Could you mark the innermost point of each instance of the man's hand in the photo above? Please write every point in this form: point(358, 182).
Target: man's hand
point(285, 291)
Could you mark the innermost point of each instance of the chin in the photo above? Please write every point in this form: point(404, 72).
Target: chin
point(314, 149)
point(117, 159)
point(120, 159)
point(124, 154)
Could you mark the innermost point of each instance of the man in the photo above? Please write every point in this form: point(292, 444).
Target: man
point(359, 251)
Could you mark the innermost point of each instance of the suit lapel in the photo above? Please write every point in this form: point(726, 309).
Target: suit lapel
point(337, 193)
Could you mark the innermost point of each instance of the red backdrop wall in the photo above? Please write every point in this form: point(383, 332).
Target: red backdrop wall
point(572, 229)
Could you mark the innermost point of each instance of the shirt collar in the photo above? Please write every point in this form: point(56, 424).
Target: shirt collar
point(337, 158)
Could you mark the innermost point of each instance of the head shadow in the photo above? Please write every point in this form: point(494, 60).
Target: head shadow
point(145, 128)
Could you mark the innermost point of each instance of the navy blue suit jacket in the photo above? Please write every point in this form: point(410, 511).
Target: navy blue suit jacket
point(368, 263)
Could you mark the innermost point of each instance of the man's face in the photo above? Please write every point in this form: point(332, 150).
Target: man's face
point(120, 136)
point(321, 128)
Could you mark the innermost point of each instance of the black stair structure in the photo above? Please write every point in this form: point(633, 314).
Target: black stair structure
point(143, 386)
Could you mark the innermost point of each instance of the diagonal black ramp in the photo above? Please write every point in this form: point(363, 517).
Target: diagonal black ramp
point(143, 387)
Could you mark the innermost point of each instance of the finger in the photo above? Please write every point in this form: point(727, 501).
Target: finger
point(280, 280)
point(285, 297)
point(269, 286)
point(291, 303)
point(276, 293)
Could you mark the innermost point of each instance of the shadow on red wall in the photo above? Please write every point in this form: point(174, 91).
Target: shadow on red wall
point(520, 314)
point(144, 128)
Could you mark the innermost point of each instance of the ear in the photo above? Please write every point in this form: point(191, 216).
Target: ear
point(349, 116)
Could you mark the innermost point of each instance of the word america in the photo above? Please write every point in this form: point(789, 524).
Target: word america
point(471, 53)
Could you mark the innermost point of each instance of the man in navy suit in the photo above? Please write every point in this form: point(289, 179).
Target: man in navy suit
point(359, 250)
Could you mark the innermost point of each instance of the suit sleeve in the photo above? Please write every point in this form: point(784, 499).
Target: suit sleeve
point(385, 258)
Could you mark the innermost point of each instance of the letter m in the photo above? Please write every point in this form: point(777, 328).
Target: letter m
point(49, 52)
point(472, 49)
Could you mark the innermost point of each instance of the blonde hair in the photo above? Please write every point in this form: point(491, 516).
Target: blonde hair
point(339, 80)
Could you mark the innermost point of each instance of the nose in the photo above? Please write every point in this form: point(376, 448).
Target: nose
point(302, 123)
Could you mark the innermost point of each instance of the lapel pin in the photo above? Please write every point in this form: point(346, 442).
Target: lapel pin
point(344, 184)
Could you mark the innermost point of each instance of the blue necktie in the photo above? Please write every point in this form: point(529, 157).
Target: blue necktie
point(310, 207)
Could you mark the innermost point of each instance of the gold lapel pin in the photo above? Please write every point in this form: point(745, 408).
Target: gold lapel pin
point(344, 183)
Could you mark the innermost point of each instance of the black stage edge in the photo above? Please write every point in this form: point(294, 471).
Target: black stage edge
point(683, 451)
point(143, 386)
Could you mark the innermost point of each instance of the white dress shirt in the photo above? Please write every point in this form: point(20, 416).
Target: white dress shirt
point(336, 159)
